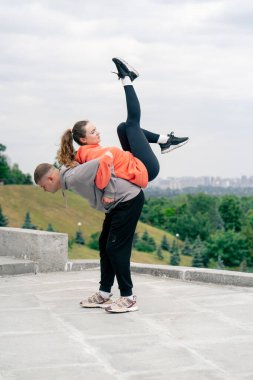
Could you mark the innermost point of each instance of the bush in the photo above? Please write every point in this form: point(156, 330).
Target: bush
point(94, 241)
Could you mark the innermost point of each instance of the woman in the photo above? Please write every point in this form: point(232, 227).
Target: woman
point(136, 162)
point(123, 208)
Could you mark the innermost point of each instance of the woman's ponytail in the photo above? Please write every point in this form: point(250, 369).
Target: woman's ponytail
point(66, 153)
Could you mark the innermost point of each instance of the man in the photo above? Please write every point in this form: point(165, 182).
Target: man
point(122, 202)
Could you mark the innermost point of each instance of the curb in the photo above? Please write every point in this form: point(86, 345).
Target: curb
point(188, 274)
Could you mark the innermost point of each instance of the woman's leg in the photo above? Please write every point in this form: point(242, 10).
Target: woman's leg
point(136, 141)
point(121, 130)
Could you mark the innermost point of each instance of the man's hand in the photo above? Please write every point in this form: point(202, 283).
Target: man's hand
point(107, 201)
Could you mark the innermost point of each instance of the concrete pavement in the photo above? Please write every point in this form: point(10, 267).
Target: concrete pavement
point(183, 331)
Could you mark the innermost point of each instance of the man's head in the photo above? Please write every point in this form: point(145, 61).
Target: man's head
point(48, 177)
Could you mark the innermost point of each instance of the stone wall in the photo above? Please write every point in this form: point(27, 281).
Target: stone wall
point(48, 249)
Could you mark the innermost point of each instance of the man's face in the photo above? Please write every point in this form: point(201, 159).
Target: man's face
point(50, 182)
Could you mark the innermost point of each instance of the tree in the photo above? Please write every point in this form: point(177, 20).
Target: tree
point(145, 236)
point(135, 238)
point(27, 222)
point(187, 247)
point(175, 256)
point(50, 228)
point(199, 251)
point(220, 264)
point(3, 219)
point(165, 243)
point(146, 243)
point(12, 175)
point(230, 211)
point(4, 167)
point(243, 266)
point(71, 242)
point(231, 246)
point(79, 238)
point(159, 253)
point(94, 241)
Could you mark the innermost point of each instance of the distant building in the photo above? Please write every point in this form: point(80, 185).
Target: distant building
point(178, 183)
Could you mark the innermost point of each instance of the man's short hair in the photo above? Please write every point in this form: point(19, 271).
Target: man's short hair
point(41, 170)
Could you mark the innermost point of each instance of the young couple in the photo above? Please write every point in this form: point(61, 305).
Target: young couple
point(112, 180)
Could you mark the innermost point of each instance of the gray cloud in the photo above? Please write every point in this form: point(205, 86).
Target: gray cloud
point(195, 59)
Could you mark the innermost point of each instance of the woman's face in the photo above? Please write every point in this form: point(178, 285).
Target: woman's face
point(92, 135)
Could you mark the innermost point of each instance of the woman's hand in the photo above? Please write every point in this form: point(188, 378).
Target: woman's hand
point(109, 154)
point(107, 201)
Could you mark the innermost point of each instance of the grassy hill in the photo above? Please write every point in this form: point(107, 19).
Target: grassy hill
point(47, 208)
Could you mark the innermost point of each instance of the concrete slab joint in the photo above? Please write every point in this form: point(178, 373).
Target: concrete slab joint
point(48, 250)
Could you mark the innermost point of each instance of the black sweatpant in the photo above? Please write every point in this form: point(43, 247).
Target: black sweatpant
point(115, 245)
point(135, 139)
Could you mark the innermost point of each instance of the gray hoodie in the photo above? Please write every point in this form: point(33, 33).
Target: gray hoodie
point(81, 179)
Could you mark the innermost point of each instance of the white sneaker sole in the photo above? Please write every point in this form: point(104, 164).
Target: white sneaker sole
point(93, 306)
point(134, 308)
point(173, 147)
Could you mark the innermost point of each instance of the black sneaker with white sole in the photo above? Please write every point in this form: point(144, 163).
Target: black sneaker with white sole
point(173, 143)
point(124, 69)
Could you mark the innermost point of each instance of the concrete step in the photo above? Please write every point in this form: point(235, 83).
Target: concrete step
point(12, 266)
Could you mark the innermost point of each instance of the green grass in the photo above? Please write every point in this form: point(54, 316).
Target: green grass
point(47, 208)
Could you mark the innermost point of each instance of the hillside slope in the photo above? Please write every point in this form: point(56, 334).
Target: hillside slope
point(46, 208)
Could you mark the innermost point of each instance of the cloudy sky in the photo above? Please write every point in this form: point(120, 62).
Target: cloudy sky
point(195, 60)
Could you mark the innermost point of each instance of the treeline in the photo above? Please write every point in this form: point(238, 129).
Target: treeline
point(221, 227)
point(10, 175)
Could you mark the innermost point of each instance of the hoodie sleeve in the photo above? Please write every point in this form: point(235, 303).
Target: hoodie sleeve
point(104, 172)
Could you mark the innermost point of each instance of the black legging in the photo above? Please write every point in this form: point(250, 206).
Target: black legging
point(135, 139)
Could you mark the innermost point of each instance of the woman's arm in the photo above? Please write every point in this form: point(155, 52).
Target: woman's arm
point(104, 171)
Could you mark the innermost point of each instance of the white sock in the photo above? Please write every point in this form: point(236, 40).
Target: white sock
point(162, 139)
point(126, 81)
point(104, 294)
point(130, 297)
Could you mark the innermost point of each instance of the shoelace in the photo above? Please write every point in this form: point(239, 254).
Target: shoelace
point(122, 302)
point(94, 297)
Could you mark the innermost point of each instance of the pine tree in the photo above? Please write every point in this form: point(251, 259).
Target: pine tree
point(50, 228)
point(27, 222)
point(174, 246)
point(79, 238)
point(199, 250)
point(220, 264)
point(135, 238)
point(243, 266)
point(175, 256)
point(165, 243)
point(145, 236)
point(159, 253)
point(94, 241)
point(3, 219)
point(187, 247)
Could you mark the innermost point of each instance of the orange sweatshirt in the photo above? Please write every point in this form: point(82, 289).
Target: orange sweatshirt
point(125, 165)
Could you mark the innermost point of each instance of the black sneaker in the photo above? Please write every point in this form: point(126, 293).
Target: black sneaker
point(173, 143)
point(124, 69)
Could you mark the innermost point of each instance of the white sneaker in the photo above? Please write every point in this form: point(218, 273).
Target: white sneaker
point(123, 305)
point(96, 300)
